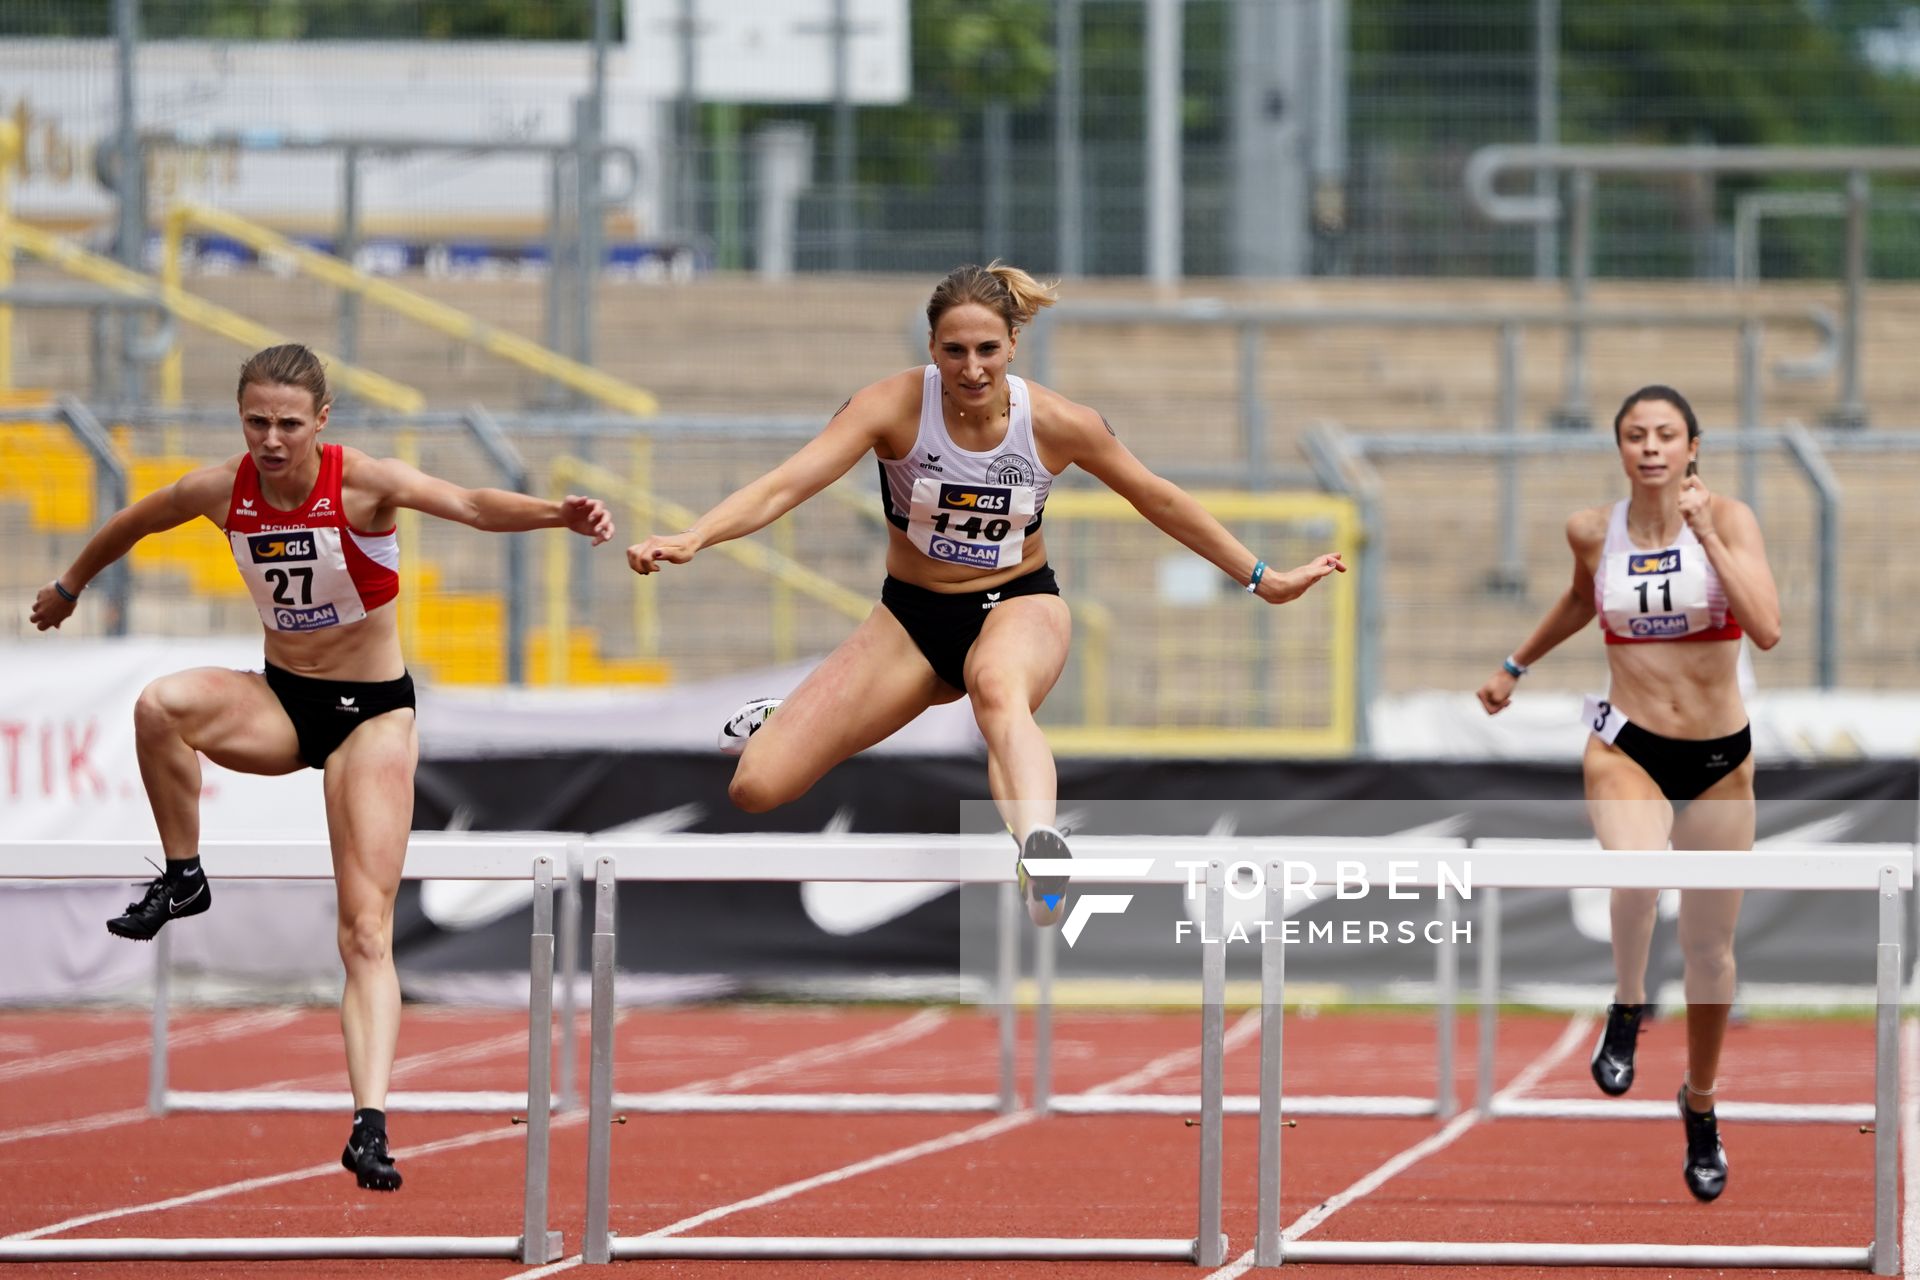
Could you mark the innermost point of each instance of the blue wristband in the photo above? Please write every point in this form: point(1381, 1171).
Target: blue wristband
point(65, 594)
point(1253, 581)
point(1513, 668)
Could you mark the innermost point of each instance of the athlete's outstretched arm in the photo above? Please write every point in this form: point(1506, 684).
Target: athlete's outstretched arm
point(858, 426)
point(400, 484)
point(1564, 618)
point(198, 493)
point(1091, 444)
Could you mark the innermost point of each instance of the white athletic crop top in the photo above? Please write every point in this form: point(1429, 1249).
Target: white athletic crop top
point(1671, 593)
point(958, 507)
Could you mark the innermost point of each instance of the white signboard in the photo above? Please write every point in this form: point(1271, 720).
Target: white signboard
point(67, 764)
point(770, 50)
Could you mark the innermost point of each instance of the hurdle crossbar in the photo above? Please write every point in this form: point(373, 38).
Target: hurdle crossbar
point(1885, 870)
point(957, 860)
point(462, 858)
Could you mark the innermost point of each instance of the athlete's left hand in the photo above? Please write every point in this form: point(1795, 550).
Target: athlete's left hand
point(587, 517)
point(1278, 588)
point(1696, 505)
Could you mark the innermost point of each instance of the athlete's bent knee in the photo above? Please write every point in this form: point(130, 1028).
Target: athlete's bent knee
point(363, 941)
point(158, 710)
point(995, 695)
point(756, 791)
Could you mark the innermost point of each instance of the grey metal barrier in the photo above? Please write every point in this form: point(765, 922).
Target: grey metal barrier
point(1506, 323)
point(1489, 164)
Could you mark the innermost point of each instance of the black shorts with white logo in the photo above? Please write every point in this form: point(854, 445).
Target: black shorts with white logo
point(1683, 768)
point(944, 624)
point(324, 712)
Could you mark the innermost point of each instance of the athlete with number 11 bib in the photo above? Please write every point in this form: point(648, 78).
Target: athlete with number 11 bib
point(967, 453)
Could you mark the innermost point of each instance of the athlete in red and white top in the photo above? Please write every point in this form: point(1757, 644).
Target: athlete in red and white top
point(311, 527)
point(1677, 575)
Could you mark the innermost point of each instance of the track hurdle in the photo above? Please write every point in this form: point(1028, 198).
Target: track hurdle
point(1886, 871)
point(1442, 1104)
point(949, 859)
point(428, 858)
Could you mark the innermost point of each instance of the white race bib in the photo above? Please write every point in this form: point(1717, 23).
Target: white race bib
point(982, 526)
point(1657, 595)
point(298, 578)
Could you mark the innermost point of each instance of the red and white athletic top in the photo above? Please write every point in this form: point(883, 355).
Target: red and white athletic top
point(1672, 593)
point(307, 569)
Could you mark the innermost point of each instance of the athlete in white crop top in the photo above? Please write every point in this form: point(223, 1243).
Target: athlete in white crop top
point(1667, 571)
point(310, 528)
point(967, 454)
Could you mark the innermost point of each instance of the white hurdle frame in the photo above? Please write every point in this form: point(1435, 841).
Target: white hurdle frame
point(950, 859)
point(428, 858)
point(1488, 1103)
point(1442, 1104)
point(1885, 870)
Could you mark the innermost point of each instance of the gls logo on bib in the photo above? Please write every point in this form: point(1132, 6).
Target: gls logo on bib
point(960, 498)
point(1640, 566)
point(276, 548)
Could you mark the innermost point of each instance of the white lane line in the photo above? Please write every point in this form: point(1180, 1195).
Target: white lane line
point(1247, 1028)
point(1570, 1039)
point(1910, 1149)
point(452, 1055)
point(139, 1046)
point(921, 1024)
point(801, 1058)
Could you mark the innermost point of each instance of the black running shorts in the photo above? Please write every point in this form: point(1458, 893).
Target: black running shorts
point(324, 712)
point(1683, 768)
point(944, 625)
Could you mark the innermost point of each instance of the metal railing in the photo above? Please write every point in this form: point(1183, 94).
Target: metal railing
point(1489, 164)
point(613, 392)
point(1506, 323)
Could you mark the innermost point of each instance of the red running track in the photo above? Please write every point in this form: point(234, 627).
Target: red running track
point(77, 1149)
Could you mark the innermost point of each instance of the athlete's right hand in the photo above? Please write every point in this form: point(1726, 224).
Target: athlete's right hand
point(50, 608)
point(672, 548)
point(1497, 693)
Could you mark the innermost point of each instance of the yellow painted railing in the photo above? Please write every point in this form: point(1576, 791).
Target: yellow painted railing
point(211, 316)
point(572, 475)
point(343, 275)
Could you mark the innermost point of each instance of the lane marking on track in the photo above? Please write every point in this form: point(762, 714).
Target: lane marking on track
point(921, 1024)
point(1535, 1071)
point(800, 1058)
point(1910, 1149)
point(1245, 1029)
point(452, 1055)
point(136, 1046)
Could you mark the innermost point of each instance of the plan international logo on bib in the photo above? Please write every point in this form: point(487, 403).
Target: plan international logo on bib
point(947, 549)
point(1657, 625)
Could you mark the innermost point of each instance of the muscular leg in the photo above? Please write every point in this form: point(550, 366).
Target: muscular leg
point(1627, 812)
point(1010, 670)
point(231, 717)
point(1722, 818)
point(866, 690)
point(369, 812)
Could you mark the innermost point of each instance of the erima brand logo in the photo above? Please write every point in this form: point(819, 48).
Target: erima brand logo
point(933, 463)
point(306, 619)
point(1658, 624)
point(1657, 562)
point(993, 598)
point(959, 498)
point(270, 548)
point(246, 505)
point(947, 549)
point(346, 704)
